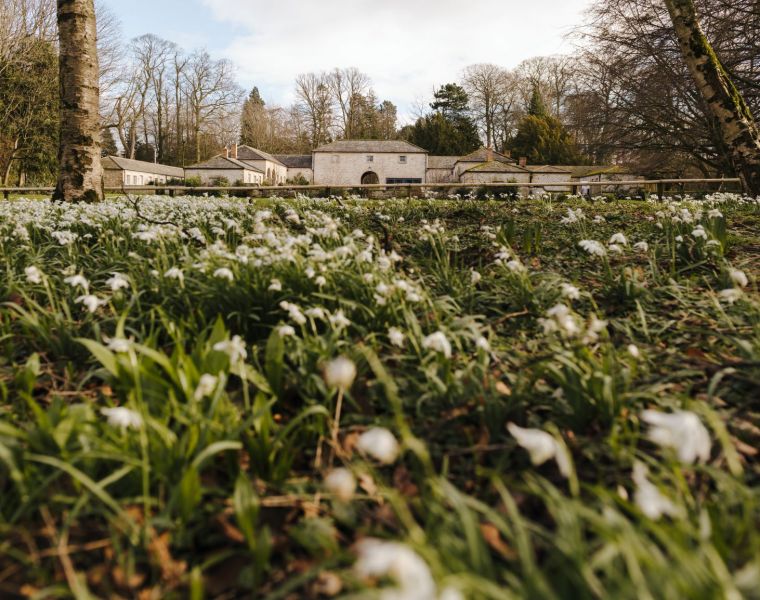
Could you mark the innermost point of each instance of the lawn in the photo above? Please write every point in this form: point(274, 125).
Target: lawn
point(402, 399)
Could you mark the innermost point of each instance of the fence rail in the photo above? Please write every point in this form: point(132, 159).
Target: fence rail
point(660, 186)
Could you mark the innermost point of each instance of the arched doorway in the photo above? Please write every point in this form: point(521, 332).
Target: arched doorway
point(370, 178)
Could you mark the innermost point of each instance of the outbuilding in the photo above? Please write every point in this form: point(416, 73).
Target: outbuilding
point(363, 162)
point(220, 170)
point(120, 172)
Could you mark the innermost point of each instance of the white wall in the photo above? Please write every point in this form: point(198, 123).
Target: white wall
point(347, 168)
point(273, 172)
point(481, 177)
point(232, 175)
point(551, 178)
point(294, 172)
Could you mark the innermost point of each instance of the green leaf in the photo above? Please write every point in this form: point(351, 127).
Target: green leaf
point(274, 361)
point(215, 448)
point(246, 504)
point(102, 354)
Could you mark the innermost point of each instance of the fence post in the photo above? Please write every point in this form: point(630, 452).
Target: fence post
point(661, 189)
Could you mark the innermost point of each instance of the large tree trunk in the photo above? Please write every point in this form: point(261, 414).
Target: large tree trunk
point(733, 117)
point(81, 175)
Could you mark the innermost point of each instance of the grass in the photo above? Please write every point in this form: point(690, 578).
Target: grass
point(216, 487)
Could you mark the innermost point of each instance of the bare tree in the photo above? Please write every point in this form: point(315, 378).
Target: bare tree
point(348, 86)
point(736, 125)
point(491, 94)
point(315, 103)
point(80, 173)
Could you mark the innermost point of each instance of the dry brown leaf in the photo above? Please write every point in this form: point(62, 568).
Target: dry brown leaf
point(492, 536)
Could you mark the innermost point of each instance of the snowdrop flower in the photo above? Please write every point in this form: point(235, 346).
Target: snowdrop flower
point(175, 273)
point(92, 303)
point(285, 330)
point(310, 272)
point(738, 278)
point(340, 373)
point(275, 286)
point(595, 327)
point(642, 247)
point(380, 558)
point(593, 247)
point(320, 281)
point(33, 274)
point(316, 313)
point(699, 233)
point(475, 277)
point(570, 291)
point(234, 348)
point(482, 344)
point(599, 219)
point(294, 312)
point(341, 483)
point(119, 345)
point(380, 444)
point(339, 320)
point(224, 273)
point(122, 417)
point(78, 281)
point(206, 386)
point(117, 282)
point(730, 295)
point(714, 214)
point(561, 319)
point(616, 249)
point(396, 337)
point(619, 238)
point(682, 431)
point(541, 446)
point(648, 498)
point(515, 266)
point(438, 343)
point(679, 238)
point(634, 351)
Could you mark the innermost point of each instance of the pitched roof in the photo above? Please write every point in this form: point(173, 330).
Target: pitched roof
point(442, 162)
point(220, 162)
point(549, 169)
point(496, 166)
point(248, 153)
point(371, 146)
point(141, 166)
point(481, 156)
point(590, 170)
point(295, 161)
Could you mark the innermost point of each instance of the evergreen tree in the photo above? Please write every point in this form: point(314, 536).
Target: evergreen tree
point(537, 108)
point(543, 140)
point(254, 124)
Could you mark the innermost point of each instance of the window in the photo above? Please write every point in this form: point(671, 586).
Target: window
point(370, 158)
point(392, 180)
point(402, 160)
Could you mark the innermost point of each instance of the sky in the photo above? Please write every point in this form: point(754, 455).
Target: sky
point(407, 47)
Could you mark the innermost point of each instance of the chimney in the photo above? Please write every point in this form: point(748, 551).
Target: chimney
point(489, 154)
point(234, 151)
point(523, 161)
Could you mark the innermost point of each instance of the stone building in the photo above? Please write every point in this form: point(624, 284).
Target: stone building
point(440, 169)
point(549, 174)
point(478, 157)
point(495, 172)
point(358, 162)
point(119, 172)
point(299, 166)
point(275, 172)
point(223, 169)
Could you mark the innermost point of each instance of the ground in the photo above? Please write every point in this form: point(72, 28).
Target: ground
point(520, 398)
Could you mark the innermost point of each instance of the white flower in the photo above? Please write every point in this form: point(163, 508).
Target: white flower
point(320, 281)
point(482, 344)
point(619, 238)
point(92, 303)
point(682, 431)
point(642, 247)
point(437, 342)
point(730, 295)
point(122, 417)
point(294, 312)
point(285, 330)
point(562, 319)
point(714, 213)
point(175, 273)
point(634, 351)
point(206, 386)
point(234, 348)
point(541, 446)
point(475, 277)
point(275, 285)
point(515, 266)
point(679, 238)
point(341, 483)
point(340, 373)
point(396, 337)
point(738, 278)
point(224, 273)
point(593, 247)
point(648, 498)
point(119, 345)
point(380, 444)
point(570, 291)
point(616, 249)
point(339, 320)
point(380, 558)
point(699, 232)
point(117, 282)
point(316, 313)
point(33, 275)
point(78, 281)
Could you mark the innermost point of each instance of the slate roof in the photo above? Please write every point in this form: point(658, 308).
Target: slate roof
point(371, 147)
point(481, 156)
point(295, 161)
point(221, 163)
point(496, 166)
point(127, 164)
point(549, 169)
point(591, 170)
point(248, 153)
point(442, 162)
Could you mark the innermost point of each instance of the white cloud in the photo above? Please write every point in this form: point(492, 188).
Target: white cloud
point(407, 46)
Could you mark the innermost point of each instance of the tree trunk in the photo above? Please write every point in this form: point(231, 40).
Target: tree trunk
point(80, 176)
point(733, 118)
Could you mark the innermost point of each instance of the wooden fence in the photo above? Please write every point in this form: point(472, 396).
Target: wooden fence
point(661, 187)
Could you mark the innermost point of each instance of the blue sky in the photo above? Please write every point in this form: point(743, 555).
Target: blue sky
point(407, 47)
